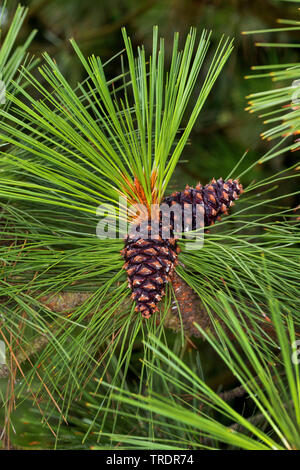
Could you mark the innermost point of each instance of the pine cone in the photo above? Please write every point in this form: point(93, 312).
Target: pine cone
point(217, 197)
point(150, 262)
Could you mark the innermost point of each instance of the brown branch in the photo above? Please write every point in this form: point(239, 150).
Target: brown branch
point(233, 393)
point(192, 310)
point(186, 309)
point(64, 302)
point(4, 371)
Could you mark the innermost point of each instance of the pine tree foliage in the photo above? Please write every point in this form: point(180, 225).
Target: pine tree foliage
point(279, 106)
point(179, 410)
point(12, 56)
point(71, 150)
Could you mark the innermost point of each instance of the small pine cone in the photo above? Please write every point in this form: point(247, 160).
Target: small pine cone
point(216, 198)
point(150, 262)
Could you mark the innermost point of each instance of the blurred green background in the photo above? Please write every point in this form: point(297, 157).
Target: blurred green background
point(224, 130)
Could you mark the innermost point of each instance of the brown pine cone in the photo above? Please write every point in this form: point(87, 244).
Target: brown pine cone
point(150, 261)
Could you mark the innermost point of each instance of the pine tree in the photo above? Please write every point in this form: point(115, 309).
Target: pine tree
point(69, 326)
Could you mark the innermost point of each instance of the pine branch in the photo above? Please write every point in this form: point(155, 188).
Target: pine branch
point(89, 35)
point(233, 393)
point(255, 419)
point(23, 354)
point(186, 310)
